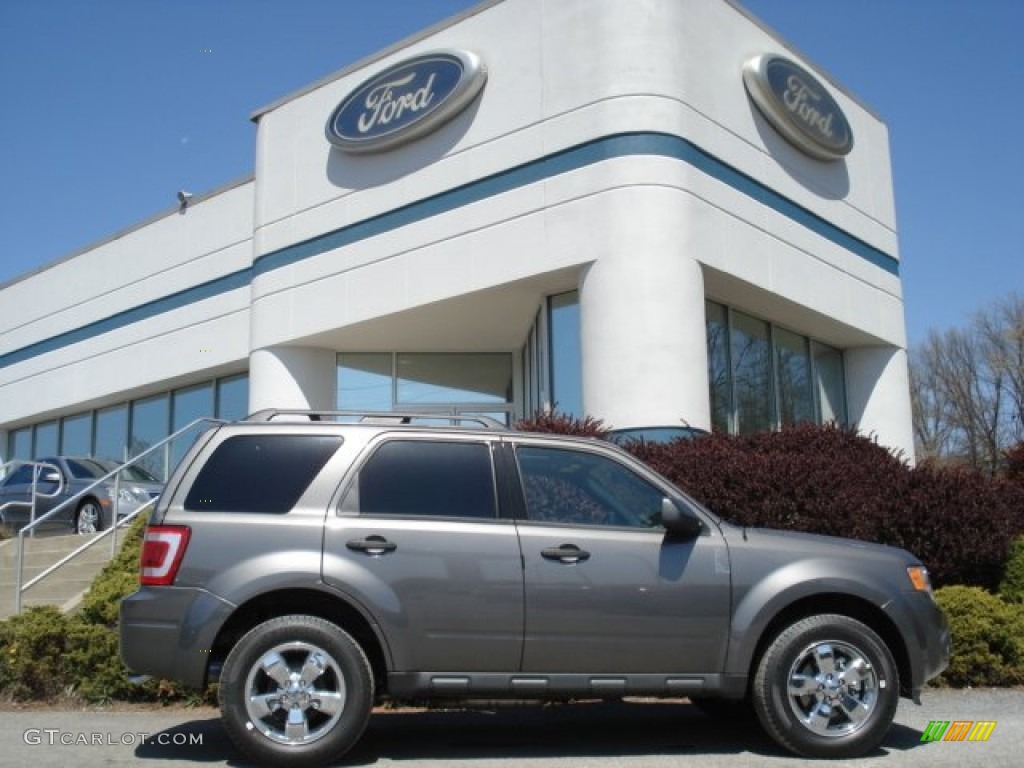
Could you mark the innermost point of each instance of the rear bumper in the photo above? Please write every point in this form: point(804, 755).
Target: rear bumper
point(168, 632)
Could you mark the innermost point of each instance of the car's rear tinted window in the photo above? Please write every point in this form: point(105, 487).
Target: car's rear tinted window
point(260, 473)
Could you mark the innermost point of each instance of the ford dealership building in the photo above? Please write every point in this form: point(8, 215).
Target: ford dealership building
point(653, 212)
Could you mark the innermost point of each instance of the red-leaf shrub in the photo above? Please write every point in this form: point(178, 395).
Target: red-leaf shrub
point(1015, 463)
point(555, 422)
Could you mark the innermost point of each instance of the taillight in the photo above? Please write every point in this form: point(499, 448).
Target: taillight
point(163, 546)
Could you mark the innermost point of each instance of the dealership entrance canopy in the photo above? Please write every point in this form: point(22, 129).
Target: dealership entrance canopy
point(654, 213)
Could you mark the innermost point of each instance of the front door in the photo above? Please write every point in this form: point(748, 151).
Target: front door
point(607, 590)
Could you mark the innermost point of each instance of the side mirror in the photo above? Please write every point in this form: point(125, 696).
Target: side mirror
point(680, 523)
point(50, 477)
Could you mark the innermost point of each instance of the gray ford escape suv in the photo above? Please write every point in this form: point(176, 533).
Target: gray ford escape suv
point(313, 567)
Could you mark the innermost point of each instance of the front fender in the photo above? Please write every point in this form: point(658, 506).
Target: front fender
point(758, 604)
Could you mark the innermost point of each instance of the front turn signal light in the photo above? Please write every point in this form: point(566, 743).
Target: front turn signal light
point(919, 578)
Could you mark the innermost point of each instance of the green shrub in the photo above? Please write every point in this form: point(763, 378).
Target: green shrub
point(33, 644)
point(118, 578)
point(1011, 588)
point(47, 654)
point(988, 638)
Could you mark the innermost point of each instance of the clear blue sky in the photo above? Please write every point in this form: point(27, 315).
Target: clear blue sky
point(110, 106)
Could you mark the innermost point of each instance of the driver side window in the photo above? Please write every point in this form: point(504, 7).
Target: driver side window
point(581, 488)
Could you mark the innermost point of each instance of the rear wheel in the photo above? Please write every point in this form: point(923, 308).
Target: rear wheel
point(296, 691)
point(827, 687)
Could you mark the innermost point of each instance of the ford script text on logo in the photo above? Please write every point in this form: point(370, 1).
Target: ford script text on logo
point(798, 106)
point(406, 101)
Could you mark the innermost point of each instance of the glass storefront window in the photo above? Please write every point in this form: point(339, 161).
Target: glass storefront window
point(364, 382)
point(233, 398)
point(438, 379)
point(46, 440)
point(719, 369)
point(19, 444)
point(442, 383)
point(76, 435)
point(150, 421)
point(531, 371)
point(761, 377)
point(831, 383)
point(189, 404)
point(793, 377)
point(107, 438)
point(751, 371)
point(566, 358)
point(111, 433)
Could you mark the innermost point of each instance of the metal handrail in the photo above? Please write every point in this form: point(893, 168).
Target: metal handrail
point(112, 531)
point(36, 493)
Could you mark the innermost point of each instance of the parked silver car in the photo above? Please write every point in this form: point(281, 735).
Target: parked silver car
point(314, 567)
point(94, 511)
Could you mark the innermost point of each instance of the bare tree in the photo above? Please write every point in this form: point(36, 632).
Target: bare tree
point(930, 410)
point(967, 388)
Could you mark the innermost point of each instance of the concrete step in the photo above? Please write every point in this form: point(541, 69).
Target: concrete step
point(63, 588)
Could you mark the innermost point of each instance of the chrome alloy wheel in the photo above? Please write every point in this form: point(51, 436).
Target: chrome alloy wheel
point(832, 688)
point(88, 519)
point(295, 693)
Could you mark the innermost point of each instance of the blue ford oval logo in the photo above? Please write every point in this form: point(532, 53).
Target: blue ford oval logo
point(406, 101)
point(798, 106)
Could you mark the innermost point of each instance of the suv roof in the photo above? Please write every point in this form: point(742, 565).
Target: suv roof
point(382, 417)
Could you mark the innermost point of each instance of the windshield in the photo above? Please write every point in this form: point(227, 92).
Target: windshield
point(93, 469)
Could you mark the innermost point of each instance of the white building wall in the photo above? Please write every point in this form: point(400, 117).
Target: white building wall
point(563, 73)
point(878, 386)
point(111, 285)
point(292, 377)
point(645, 233)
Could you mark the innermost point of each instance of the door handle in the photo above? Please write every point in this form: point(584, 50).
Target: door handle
point(569, 554)
point(372, 545)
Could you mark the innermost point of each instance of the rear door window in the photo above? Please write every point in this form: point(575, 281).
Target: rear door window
point(260, 473)
point(425, 478)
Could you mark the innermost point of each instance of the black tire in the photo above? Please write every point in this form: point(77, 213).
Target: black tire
point(341, 678)
point(724, 709)
point(851, 685)
point(89, 517)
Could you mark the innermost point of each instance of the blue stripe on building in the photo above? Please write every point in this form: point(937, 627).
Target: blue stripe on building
point(574, 158)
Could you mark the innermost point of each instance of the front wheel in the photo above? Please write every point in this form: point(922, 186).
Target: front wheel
point(296, 691)
point(827, 687)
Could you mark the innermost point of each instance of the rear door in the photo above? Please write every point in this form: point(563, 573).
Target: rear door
point(418, 539)
point(607, 589)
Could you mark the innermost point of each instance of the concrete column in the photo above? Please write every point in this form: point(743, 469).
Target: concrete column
point(878, 392)
point(292, 377)
point(642, 330)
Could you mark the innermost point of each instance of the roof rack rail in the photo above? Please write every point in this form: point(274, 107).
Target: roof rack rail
point(379, 417)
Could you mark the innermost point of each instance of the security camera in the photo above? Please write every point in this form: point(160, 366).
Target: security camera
point(184, 197)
